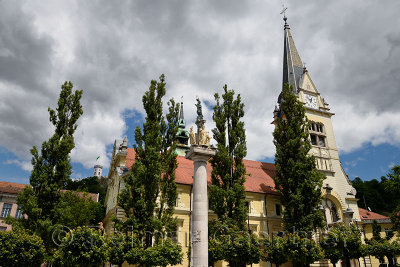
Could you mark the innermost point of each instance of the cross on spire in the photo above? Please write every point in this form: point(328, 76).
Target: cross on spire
point(283, 11)
point(284, 16)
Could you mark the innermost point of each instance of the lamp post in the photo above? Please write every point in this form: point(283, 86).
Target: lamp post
point(349, 213)
point(328, 190)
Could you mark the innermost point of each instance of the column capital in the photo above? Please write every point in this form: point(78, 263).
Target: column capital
point(200, 153)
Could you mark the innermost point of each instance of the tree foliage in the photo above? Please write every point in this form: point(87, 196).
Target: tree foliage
point(343, 242)
point(302, 250)
point(91, 184)
point(51, 168)
point(381, 196)
point(227, 242)
point(19, 248)
point(226, 193)
point(84, 247)
point(150, 190)
point(75, 210)
point(297, 178)
point(384, 248)
point(273, 250)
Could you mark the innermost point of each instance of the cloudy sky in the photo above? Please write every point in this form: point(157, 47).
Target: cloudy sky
point(112, 49)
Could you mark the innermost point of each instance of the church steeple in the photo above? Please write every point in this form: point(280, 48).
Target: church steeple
point(322, 138)
point(182, 135)
point(293, 68)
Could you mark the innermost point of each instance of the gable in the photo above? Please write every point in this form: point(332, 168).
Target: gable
point(308, 85)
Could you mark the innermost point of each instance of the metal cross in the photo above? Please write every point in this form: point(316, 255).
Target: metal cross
point(283, 11)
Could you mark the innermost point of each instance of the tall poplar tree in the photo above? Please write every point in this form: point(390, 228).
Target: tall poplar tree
point(51, 167)
point(227, 193)
point(150, 190)
point(297, 179)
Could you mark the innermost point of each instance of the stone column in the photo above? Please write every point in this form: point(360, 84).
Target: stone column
point(199, 235)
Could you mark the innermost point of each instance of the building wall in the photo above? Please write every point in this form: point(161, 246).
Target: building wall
point(10, 199)
point(367, 230)
point(335, 175)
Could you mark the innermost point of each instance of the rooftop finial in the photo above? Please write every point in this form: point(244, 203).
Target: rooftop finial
point(304, 67)
point(284, 16)
point(181, 117)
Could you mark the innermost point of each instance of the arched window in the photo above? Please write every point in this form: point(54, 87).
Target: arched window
point(317, 134)
point(331, 213)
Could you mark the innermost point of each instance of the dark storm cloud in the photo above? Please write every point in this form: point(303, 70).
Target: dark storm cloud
point(24, 67)
point(25, 54)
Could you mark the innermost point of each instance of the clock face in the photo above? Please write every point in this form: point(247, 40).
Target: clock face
point(311, 101)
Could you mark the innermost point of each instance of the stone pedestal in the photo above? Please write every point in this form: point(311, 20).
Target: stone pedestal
point(199, 235)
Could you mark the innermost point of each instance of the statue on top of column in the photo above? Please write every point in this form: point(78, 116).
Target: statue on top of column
point(199, 111)
point(204, 137)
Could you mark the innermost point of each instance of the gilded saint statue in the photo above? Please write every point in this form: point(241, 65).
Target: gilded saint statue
point(192, 136)
point(204, 137)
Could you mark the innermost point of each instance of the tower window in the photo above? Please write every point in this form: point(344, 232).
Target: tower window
point(313, 139)
point(321, 141)
point(278, 209)
point(317, 134)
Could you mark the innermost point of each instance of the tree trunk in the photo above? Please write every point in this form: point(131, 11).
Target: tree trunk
point(390, 261)
point(346, 262)
point(237, 264)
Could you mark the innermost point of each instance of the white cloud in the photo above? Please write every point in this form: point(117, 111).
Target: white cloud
point(25, 165)
point(354, 127)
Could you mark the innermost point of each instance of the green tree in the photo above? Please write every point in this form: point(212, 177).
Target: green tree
point(392, 184)
point(273, 250)
point(18, 248)
point(75, 210)
point(384, 248)
point(122, 247)
point(395, 218)
point(226, 192)
point(91, 184)
point(297, 179)
point(227, 240)
point(343, 242)
point(150, 190)
point(374, 195)
point(81, 247)
point(376, 231)
point(301, 250)
point(51, 167)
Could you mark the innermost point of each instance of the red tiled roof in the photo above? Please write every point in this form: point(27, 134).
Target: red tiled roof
point(11, 188)
point(94, 197)
point(369, 215)
point(258, 180)
point(15, 188)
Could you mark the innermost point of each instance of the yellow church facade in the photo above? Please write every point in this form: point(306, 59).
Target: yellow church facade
point(264, 215)
point(265, 212)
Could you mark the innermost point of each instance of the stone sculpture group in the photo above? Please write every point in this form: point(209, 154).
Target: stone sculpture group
point(202, 140)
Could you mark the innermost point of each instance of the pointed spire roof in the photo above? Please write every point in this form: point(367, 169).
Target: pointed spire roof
point(181, 119)
point(293, 68)
point(182, 135)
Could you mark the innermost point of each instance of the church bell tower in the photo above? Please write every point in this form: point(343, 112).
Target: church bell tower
point(339, 199)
